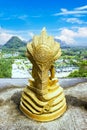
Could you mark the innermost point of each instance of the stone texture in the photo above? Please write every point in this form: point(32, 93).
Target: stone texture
point(75, 118)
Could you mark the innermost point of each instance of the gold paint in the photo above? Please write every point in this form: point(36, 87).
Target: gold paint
point(43, 99)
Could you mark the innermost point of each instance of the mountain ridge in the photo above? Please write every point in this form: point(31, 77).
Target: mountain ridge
point(14, 43)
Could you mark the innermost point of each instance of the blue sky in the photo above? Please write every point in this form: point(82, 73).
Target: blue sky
point(65, 19)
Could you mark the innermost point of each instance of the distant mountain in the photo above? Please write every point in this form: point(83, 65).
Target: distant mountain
point(14, 43)
point(30, 40)
point(62, 43)
point(0, 46)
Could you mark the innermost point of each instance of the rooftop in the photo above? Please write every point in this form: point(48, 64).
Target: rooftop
point(75, 118)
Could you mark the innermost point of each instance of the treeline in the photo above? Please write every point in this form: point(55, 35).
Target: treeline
point(6, 68)
point(75, 53)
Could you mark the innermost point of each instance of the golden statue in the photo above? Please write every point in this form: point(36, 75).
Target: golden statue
point(43, 99)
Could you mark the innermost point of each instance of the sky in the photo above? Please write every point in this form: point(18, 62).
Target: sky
point(65, 20)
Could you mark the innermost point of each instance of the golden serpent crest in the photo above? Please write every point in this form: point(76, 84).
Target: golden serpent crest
point(43, 99)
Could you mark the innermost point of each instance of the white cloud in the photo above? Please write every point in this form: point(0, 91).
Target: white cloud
point(4, 37)
point(31, 34)
point(64, 10)
point(81, 8)
point(71, 12)
point(70, 36)
point(67, 36)
point(22, 17)
point(82, 32)
point(75, 35)
point(75, 20)
point(75, 11)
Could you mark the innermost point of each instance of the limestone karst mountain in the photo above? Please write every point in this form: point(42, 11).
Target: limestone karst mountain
point(14, 43)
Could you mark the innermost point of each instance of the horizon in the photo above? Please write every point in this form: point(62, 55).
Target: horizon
point(65, 20)
point(57, 40)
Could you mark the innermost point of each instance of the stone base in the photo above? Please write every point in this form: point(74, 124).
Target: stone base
point(46, 107)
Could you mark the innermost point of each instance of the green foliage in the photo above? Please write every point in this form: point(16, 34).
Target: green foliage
point(74, 74)
point(14, 44)
point(72, 56)
point(82, 72)
point(77, 53)
point(5, 68)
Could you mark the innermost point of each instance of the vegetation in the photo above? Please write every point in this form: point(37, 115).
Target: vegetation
point(14, 44)
point(5, 67)
point(71, 57)
point(82, 72)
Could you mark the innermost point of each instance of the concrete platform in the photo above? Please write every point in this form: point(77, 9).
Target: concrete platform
point(75, 118)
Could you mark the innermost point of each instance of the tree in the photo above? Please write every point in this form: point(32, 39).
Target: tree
point(5, 68)
point(82, 72)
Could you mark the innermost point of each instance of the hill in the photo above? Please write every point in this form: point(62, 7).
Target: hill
point(62, 43)
point(14, 43)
